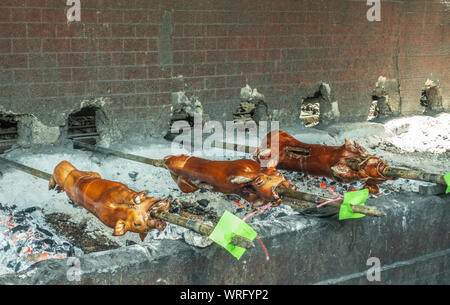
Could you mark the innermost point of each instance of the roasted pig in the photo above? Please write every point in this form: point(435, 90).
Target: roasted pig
point(346, 163)
point(245, 178)
point(112, 202)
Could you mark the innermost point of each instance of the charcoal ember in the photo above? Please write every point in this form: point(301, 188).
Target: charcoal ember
point(46, 232)
point(26, 239)
point(203, 202)
point(133, 175)
point(20, 228)
point(130, 243)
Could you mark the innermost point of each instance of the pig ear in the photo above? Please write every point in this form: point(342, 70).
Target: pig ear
point(120, 228)
point(241, 180)
point(142, 236)
point(139, 197)
point(52, 183)
point(272, 163)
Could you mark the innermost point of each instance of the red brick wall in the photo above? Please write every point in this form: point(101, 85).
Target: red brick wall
point(284, 48)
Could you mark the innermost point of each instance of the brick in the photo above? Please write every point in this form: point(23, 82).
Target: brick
point(57, 75)
point(109, 73)
point(26, 14)
point(135, 73)
point(84, 74)
point(42, 60)
point(145, 30)
point(12, 30)
point(13, 61)
point(51, 15)
point(83, 45)
point(72, 88)
point(147, 86)
point(56, 45)
point(123, 30)
point(147, 58)
point(5, 46)
point(205, 43)
point(194, 57)
point(97, 30)
point(70, 59)
point(184, 70)
point(123, 59)
point(135, 16)
point(183, 43)
point(110, 45)
point(5, 14)
point(41, 30)
point(135, 44)
point(202, 70)
point(28, 76)
point(216, 56)
point(109, 16)
point(6, 77)
point(43, 90)
point(69, 30)
point(158, 72)
point(14, 92)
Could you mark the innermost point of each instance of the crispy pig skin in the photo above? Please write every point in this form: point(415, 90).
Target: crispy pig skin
point(346, 163)
point(112, 202)
point(245, 178)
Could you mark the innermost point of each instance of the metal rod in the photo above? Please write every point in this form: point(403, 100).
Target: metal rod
point(26, 169)
point(414, 175)
point(362, 209)
point(388, 171)
point(198, 227)
point(283, 192)
point(154, 162)
point(172, 218)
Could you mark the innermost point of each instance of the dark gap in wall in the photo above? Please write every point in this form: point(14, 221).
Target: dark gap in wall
point(380, 106)
point(310, 109)
point(431, 98)
point(81, 125)
point(8, 132)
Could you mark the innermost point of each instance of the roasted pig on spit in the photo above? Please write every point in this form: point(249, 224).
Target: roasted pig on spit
point(346, 163)
point(112, 202)
point(245, 178)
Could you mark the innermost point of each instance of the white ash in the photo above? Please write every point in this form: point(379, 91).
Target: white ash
point(420, 133)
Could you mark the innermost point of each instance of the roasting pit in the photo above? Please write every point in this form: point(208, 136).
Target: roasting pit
point(8, 132)
point(41, 229)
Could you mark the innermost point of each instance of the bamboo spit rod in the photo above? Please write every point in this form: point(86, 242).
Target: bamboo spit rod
point(388, 171)
point(181, 221)
point(284, 192)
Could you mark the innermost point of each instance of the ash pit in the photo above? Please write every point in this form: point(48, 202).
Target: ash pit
point(8, 132)
point(82, 125)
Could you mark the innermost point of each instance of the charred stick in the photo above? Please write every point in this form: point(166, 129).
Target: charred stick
point(362, 209)
point(165, 216)
point(198, 227)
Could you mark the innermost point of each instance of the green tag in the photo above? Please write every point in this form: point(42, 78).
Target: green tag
point(228, 226)
point(447, 180)
point(355, 198)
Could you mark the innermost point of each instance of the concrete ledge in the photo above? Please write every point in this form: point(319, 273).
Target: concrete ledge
point(412, 243)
